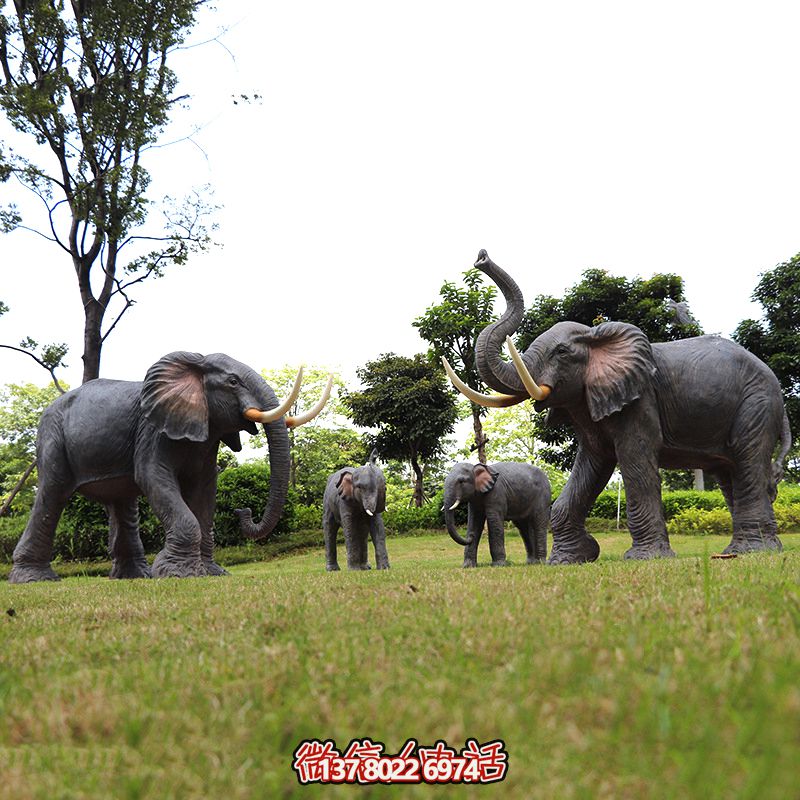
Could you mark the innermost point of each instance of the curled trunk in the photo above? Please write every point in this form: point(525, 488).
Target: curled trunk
point(450, 521)
point(494, 371)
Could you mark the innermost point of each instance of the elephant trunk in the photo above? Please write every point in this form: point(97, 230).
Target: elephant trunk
point(278, 444)
point(494, 371)
point(450, 522)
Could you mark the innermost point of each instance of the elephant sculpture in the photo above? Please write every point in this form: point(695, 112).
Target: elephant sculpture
point(355, 499)
point(115, 440)
point(699, 403)
point(494, 493)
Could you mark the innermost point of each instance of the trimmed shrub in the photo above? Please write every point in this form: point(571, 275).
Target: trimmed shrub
point(788, 494)
point(788, 517)
point(701, 522)
point(675, 502)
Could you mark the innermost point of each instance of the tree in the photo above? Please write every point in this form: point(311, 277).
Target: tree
point(775, 339)
point(21, 406)
point(451, 328)
point(90, 85)
point(407, 402)
point(599, 296)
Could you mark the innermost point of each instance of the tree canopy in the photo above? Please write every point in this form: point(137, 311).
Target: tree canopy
point(88, 84)
point(407, 403)
point(775, 339)
point(451, 328)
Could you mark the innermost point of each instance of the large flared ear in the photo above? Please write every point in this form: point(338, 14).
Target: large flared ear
point(620, 367)
point(484, 478)
point(345, 485)
point(174, 399)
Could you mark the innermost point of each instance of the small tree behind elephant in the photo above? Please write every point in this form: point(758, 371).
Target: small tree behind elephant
point(355, 499)
point(496, 492)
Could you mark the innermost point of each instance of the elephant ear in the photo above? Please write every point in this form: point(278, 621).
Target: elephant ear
point(620, 368)
point(485, 477)
point(344, 485)
point(173, 397)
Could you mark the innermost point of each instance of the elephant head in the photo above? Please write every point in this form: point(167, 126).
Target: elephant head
point(605, 367)
point(210, 399)
point(463, 482)
point(365, 486)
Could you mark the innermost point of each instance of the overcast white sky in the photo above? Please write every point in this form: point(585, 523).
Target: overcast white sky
point(394, 140)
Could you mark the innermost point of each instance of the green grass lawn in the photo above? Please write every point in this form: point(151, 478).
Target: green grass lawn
point(675, 678)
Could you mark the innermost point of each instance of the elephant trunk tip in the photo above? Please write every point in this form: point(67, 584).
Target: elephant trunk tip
point(483, 257)
point(249, 528)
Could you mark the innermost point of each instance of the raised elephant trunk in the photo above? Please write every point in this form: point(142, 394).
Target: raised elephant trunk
point(494, 371)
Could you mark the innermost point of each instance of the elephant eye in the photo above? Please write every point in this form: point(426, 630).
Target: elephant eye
point(233, 381)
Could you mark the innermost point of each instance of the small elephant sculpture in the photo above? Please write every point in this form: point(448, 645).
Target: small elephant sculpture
point(497, 492)
point(355, 499)
point(698, 403)
point(115, 440)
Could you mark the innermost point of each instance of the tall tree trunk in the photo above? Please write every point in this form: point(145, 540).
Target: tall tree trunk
point(480, 439)
point(699, 481)
point(92, 340)
point(419, 494)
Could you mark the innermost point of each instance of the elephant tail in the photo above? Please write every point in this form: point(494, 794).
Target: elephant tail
point(786, 443)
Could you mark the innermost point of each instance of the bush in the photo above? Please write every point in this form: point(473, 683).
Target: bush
point(788, 517)
point(701, 522)
point(11, 529)
point(788, 494)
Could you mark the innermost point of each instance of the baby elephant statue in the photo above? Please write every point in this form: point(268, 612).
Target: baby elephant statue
point(355, 499)
point(495, 493)
point(112, 441)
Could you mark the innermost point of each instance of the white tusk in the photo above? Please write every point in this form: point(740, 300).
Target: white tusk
point(368, 512)
point(301, 419)
point(454, 506)
point(256, 415)
point(534, 390)
point(491, 400)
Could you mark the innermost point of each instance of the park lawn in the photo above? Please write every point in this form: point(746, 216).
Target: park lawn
point(671, 678)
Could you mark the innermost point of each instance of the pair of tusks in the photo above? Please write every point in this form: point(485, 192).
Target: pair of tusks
point(264, 417)
point(500, 400)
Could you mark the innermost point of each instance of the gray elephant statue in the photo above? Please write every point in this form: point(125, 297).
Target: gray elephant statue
point(115, 440)
point(494, 493)
point(355, 499)
point(698, 403)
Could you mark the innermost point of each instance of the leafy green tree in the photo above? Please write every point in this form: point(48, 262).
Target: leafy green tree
point(405, 400)
point(451, 328)
point(599, 296)
point(88, 84)
point(775, 339)
point(21, 406)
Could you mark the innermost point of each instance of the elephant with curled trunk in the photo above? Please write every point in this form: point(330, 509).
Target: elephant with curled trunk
point(355, 499)
point(698, 403)
point(494, 493)
point(115, 440)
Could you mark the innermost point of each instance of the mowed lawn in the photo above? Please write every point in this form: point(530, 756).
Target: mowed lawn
point(664, 679)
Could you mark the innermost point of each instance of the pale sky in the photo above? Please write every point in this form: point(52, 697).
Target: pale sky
point(395, 140)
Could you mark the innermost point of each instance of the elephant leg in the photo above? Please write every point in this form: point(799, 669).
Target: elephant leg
point(357, 554)
point(571, 543)
point(124, 542)
point(754, 526)
point(180, 557)
point(34, 550)
point(497, 538)
point(378, 534)
point(639, 468)
point(475, 522)
point(534, 537)
point(202, 501)
point(330, 529)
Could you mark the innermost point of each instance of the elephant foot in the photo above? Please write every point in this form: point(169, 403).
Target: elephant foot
point(574, 552)
point(535, 560)
point(167, 565)
point(383, 566)
point(645, 552)
point(29, 573)
point(214, 569)
point(358, 567)
point(332, 567)
point(500, 562)
point(128, 570)
point(469, 563)
point(753, 543)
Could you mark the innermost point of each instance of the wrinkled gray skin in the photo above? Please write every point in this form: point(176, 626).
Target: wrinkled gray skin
point(355, 499)
point(495, 493)
point(699, 403)
point(115, 440)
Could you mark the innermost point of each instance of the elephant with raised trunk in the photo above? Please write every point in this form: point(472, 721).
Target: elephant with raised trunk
point(699, 403)
point(115, 440)
point(494, 493)
point(355, 499)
